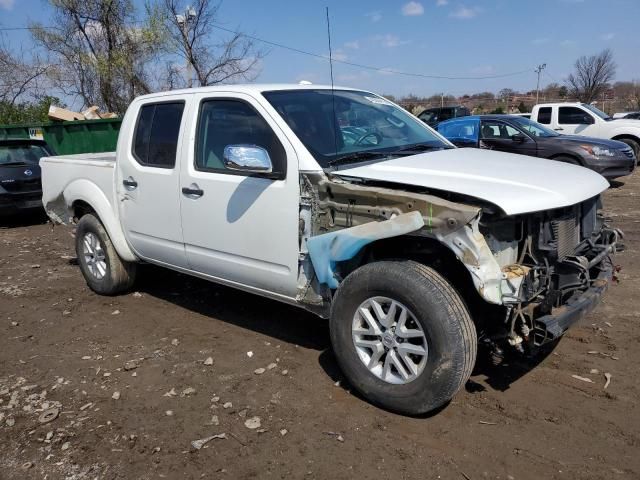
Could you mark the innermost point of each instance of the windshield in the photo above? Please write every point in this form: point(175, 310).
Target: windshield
point(350, 124)
point(534, 128)
point(598, 112)
point(21, 154)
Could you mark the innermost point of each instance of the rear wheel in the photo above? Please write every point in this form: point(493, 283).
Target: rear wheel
point(103, 269)
point(402, 336)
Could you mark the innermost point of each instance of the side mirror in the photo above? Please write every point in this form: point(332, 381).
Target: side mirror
point(588, 120)
point(518, 138)
point(247, 158)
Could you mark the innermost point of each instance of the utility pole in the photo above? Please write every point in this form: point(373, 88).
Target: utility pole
point(184, 21)
point(442, 100)
point(539, 71)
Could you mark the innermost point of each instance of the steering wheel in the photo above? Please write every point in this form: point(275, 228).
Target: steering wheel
point(376, 135)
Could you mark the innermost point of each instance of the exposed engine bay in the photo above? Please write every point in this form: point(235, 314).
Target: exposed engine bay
point(540, 271)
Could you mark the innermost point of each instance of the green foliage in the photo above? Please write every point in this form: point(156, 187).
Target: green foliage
point(522, 108)
point(27, 112)
point(497, 111)
point(563, 92)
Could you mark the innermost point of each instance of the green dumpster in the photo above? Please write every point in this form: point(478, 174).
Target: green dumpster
point(66, 138)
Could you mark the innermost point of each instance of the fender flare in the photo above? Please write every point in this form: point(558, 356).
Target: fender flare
point(88, 192)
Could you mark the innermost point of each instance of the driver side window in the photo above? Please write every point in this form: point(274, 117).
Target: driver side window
point(233, 122)
point(573, 116)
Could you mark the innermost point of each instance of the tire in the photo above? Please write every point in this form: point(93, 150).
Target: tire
point(103, 269)
point(567, 159)
point(434, 306)
point(634, 144)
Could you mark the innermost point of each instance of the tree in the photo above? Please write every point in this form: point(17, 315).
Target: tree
point(190, 35)
point(101, 53)
point(563, 91)
point(19, 76)
point(35, 111)
point(591, 76)
point(522, 108)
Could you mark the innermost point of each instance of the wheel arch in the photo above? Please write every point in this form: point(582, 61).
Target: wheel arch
point(82, 197)
point(570, 155)
point(429, 252)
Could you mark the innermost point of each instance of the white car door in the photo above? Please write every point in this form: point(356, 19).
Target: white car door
point(575, 121)
point(240, 228)
point(148, 180)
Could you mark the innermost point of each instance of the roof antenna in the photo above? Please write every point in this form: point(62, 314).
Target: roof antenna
point(333, 98)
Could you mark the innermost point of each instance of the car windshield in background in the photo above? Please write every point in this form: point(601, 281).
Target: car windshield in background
point(534, 128)
point(21, 154)
point(351, 125)
point(599, 113)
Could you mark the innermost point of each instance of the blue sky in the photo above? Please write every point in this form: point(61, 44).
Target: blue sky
point(439, 37)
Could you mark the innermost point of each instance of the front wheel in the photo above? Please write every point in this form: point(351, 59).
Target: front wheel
point(402, 336)
point(103, 269)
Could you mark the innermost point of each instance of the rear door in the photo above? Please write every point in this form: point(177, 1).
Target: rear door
point(240, 228)
point(148, 178)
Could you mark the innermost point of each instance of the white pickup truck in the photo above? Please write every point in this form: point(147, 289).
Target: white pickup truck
point(340, 202)
point(586, 120)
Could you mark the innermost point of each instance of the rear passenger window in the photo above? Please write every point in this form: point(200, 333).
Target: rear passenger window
point(156, 136)
point(544, 115)
point(234, 122)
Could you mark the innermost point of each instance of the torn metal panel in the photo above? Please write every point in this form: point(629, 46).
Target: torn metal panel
point(327, 249)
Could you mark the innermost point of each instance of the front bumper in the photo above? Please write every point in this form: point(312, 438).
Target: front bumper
point(553, 325)
point(613, 168)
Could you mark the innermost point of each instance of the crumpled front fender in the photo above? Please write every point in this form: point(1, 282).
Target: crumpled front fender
point(327, 249)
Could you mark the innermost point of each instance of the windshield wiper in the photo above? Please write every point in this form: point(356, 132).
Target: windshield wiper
point(356, 157)
point(420, 147)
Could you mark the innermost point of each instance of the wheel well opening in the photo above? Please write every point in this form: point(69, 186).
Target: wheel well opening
point(81, 208)
point(429, 252)
point(627, 137)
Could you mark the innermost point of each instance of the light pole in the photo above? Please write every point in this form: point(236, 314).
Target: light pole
point(183, 22)
point(539, 71)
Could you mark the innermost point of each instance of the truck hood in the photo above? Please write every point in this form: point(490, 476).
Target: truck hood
point(626, 122)
point(515, 183)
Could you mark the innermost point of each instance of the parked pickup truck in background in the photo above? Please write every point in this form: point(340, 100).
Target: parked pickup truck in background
point(587, 120)
point(340, 202)
point(516, 134)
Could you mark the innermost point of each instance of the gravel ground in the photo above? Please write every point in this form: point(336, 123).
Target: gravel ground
point(99, 387)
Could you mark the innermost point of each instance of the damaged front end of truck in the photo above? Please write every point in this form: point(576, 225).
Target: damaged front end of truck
point(525, 278)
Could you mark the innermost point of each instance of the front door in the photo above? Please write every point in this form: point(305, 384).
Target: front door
point(575, 121)
point(240, 228)
point(497, 135)
point(148, 180)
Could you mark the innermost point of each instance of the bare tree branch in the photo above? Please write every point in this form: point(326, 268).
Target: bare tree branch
point(592, 76)
point(190, 36)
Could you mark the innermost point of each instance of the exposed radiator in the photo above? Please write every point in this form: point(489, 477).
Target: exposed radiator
point(566, 235)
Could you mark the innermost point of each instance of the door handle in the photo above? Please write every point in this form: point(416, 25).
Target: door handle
point(559, 129)
point(193, 190)
point(130, 183)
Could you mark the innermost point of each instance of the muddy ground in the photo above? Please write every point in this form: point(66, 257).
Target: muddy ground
point(130, 378)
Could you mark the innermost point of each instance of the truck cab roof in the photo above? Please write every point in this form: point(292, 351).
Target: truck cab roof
point(249, 88)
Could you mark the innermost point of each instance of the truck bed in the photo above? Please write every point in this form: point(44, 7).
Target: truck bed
point(66, 176)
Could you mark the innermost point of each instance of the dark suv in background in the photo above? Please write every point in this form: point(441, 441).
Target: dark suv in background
point(433, 116)
point(20, 185)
